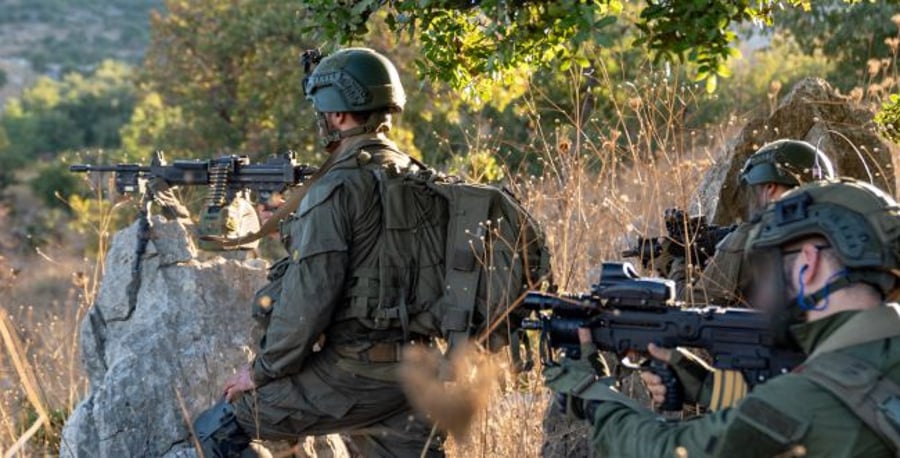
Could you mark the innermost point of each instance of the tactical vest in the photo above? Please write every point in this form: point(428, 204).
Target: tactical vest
point(455, 259)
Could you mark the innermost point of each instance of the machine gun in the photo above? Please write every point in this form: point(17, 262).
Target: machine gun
point(625, 313)
point(685, 232)
point(227, 211)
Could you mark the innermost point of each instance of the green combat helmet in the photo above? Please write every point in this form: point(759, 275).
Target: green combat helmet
point(355, 80)
point(787, 162)
point(860, 222)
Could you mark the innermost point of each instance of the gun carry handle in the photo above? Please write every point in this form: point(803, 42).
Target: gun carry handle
point(674, 400)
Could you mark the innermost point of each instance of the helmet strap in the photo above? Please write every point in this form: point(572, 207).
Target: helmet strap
point(378, 122)
point(837, 281)
point(327, 135)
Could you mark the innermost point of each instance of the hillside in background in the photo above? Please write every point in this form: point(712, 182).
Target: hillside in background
point(53, 37)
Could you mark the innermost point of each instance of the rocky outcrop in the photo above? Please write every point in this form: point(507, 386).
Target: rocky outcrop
point(157, 357)
point(815, 112)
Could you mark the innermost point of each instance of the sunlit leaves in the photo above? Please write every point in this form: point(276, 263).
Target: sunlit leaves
point(469, 44)
point(888, 118)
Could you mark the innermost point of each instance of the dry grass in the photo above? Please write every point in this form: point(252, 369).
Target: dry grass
point(594, 196)
point(40, 362)
point(42, 301)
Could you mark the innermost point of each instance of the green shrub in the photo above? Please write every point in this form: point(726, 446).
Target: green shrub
point(888, 118)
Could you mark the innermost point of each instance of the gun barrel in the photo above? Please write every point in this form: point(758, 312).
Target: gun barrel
point(84, 168)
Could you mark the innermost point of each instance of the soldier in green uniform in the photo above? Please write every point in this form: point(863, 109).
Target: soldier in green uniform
point(351, 385)
point(823, 258)
point(771, 171)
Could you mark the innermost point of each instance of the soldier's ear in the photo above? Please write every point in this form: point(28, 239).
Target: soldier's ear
point(812, 263)
point(772, 191)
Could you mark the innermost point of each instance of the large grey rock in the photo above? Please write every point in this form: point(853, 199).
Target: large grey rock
point(812, 111)
point(156, 358)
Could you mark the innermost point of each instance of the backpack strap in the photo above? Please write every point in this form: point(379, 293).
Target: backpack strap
point(863, 389)
point(367, 284)
point(867, 326)
point(465, 249)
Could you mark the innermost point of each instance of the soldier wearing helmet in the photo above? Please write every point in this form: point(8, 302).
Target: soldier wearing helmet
point(824, 260)
point(319, 369)
point(771, 171)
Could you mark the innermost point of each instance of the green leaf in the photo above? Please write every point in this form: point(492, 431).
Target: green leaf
point(607, 21)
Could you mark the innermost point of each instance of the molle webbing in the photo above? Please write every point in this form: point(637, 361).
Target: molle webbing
point(388, 296)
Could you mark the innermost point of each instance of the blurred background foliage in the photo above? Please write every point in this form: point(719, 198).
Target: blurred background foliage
point(489, 82)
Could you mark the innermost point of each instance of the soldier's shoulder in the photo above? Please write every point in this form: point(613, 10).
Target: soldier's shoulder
point(736, 240)
point(320, 192)
point(784, 389)
point(883, 354)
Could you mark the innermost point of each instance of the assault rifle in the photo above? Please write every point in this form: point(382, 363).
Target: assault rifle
point(230, 180)
point(625, 313)
point(683, 231)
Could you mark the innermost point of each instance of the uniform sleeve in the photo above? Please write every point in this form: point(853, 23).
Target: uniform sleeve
point(755, 427)
point(624, 432)
point(313, 284)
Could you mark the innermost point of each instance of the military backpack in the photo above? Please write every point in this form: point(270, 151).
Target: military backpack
point(455, 259)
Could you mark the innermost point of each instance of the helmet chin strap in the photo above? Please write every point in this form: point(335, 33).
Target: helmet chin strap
point(378, 122)
point(837, 281)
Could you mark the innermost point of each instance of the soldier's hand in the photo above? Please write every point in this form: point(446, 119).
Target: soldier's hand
point(267, 209)
point(238, 383)
point(654, 383)
point(662, 262)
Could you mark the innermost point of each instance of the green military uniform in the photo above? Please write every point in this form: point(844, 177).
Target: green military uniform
point(334, 233)
point(725, 280)
point(787, 412)
point(844, 400)
point(334, 240)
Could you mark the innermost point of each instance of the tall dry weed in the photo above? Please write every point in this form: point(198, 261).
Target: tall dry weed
point(596, 193)
point(42, 302)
